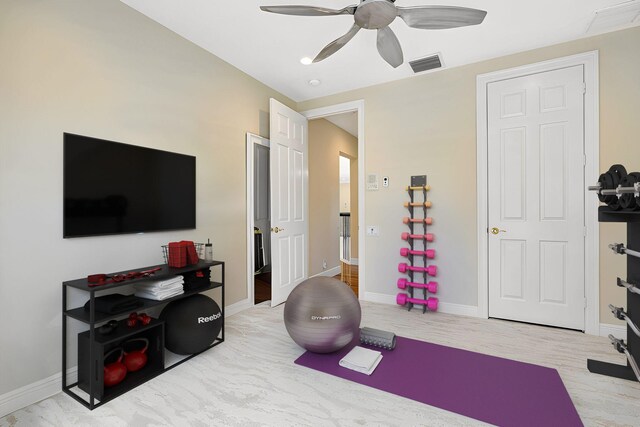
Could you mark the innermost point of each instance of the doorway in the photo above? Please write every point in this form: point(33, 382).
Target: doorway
point(258, 156)
point(348, 222)
point(356, 205)
point(333, 178)
point(537, 147)
point(355, 116)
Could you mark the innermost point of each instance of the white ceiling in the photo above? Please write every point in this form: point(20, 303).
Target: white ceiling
point(346, 121)
point(269, 46)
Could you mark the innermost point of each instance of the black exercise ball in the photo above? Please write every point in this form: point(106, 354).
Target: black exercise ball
point(191, 324)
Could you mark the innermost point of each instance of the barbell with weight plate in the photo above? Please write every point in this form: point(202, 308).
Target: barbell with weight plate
point(609, 187)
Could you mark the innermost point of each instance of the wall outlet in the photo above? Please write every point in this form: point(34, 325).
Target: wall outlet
point(324, 264)
point(385, 181)
point(373, 230)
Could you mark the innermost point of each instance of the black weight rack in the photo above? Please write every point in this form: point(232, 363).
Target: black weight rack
point(632, 219)
point(418, 185)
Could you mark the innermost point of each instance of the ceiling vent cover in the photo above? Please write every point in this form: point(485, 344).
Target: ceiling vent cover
point(426, 63)
point(614, 17)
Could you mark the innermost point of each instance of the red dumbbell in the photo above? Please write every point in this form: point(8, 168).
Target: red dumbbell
point(432, 287)
point(431, 270)
point(428, 237)
point(431, 302)
point(428, 220)
point(429, 253)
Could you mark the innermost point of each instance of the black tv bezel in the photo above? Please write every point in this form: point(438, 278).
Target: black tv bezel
point(64, 187)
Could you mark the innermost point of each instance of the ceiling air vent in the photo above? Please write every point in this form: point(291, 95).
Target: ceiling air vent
point(426, 63)
point(614, 17)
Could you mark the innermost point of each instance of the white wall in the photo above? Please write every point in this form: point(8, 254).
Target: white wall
point(99, 68)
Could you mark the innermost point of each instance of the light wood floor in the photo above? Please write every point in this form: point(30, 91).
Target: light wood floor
point(349, 275)
point(251, 380)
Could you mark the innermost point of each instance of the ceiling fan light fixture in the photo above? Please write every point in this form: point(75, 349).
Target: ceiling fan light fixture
point(378, 15)
point(306, 60)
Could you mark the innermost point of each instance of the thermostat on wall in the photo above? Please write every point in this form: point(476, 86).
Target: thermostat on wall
point(372, 182)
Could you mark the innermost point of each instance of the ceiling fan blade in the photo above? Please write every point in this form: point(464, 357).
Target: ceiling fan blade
point(309, 10)
point(389, 47)
point(440, 17)
point(337, 44)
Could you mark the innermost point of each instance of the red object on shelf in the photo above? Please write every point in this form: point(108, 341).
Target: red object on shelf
point(177, 254)
point(192, 255)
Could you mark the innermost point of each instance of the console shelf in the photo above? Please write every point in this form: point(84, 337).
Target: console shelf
point(93, 346)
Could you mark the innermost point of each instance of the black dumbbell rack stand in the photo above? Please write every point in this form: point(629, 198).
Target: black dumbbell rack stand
point(632, 219)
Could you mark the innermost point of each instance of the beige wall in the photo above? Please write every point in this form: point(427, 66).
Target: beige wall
point(345, 197)
point(99, 68)
point(426, 125)
point(326, 142)
point(353, 176)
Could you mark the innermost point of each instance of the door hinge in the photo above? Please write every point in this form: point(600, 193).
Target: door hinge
point(584, 160)
point(585, 303)
point(584, 88)
point(584, 231)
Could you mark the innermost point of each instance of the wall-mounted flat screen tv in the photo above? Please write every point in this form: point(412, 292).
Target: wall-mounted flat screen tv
point(115, 188)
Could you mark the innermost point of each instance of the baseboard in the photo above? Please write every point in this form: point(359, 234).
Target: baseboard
point(458, 309)
point(379, 298)
point(328, 273)
point(618, 331)
point(353, 261)
point(443, 307)
point(34, 392)
point(237, 307)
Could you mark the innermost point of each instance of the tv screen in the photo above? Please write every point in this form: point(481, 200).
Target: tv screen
point(115, 188)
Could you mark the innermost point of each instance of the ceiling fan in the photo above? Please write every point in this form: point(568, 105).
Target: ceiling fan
point(378, 14)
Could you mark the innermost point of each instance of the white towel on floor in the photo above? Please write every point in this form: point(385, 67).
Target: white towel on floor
point(361, 360)
point(160, 283)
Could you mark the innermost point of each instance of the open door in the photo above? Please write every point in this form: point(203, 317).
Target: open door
point(289, 167)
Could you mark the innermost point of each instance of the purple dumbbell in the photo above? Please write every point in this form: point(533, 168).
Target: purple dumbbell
point(431, 302)
point(431, 270)
point(432, 287)
point(428, 237)
point(429, 253)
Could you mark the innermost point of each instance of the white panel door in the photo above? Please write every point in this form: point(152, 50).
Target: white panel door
point(536, 198)
point(289, 200)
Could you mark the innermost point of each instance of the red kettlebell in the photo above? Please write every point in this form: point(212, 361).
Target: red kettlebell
point(136, 359)
point(114, 372)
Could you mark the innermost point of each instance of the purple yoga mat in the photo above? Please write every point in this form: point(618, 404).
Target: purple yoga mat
point(491, 389)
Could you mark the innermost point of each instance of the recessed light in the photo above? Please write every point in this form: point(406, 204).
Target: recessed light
point(314, 82)
point(306, 60)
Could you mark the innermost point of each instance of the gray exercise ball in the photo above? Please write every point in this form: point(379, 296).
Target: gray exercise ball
point(322, 314)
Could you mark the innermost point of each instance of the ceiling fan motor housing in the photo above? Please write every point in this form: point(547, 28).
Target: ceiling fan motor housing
point(375, 14)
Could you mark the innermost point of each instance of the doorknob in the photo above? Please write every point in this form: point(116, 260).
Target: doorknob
point(495, 230)
point(276, 229)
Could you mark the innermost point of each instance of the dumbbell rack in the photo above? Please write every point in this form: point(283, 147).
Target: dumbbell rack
point(421, 182)
point(632, 219)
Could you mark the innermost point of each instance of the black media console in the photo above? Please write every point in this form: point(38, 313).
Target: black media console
point(92, 346)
